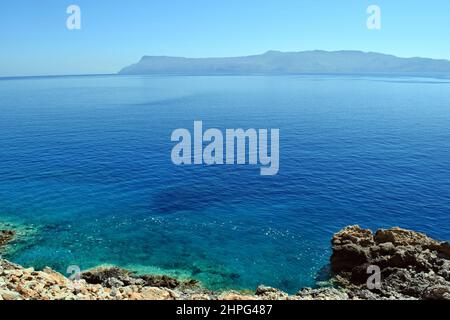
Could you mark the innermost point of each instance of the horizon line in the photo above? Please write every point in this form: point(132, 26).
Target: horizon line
point(11, 77)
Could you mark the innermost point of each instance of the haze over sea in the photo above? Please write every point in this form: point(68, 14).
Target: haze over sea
point(86, 162)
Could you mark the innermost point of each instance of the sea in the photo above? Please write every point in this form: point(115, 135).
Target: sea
point(86, 173)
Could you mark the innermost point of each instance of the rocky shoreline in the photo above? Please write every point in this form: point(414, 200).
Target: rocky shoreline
point(390, 264)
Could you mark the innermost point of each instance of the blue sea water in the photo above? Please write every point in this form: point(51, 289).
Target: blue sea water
point(86, 161)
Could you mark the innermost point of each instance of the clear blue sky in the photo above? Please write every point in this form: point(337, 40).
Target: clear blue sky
point(34, 39)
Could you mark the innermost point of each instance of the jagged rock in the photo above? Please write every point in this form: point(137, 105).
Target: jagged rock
point(353, 235)
point(160, 281)
point(438, 292)
point(113, 283)
point(55, 277)
point(269, 293)
point(345, 257)
point(151, 293)
point(359, 274)
point(116, 277)
point(350, 248)
point(233, 295)
point(200, 296)
point(10, 295)
point(443, 249)
point(412, 265)
point(402, 237)
point(101, 275)
point(323, 294)
point(190, 284)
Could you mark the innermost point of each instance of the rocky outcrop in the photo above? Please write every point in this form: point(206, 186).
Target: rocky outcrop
point(411, 265)
point(114, 277)
point(18, 283)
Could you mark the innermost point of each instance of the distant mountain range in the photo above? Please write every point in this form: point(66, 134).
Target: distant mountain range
point(305, 62)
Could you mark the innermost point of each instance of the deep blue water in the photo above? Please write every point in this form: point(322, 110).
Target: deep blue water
point(86, 160)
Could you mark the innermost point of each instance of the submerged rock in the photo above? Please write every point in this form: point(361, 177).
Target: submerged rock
point(113, 277)
point(6, 236)
point(160, 281)
point(107, 276)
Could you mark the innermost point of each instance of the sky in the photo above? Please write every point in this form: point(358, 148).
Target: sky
point(34, 39)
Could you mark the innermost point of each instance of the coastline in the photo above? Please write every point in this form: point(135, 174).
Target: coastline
point(411, 266)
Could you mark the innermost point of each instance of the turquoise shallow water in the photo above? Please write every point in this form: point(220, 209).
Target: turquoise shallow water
point(86, 161)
